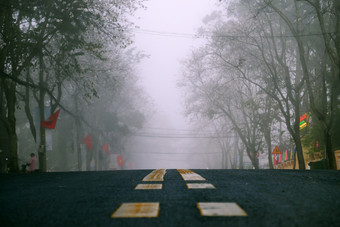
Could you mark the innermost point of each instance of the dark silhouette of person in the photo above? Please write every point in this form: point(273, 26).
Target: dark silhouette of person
point(32, 163)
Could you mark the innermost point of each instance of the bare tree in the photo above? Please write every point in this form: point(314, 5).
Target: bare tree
point(327, 15)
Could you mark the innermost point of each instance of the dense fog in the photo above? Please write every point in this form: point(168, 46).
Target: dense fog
point(134, 84)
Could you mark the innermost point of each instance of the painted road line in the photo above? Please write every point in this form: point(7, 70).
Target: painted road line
point(220, 209)
point(156, 175)
point(148, 186)
point(200, 186)
point(189, 175)
point(137, 210)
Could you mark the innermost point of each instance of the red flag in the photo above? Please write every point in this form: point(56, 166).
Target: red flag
point(280, 158)
point(52, 120)
point(106, 148)
point(88, 142)
point(120, 160)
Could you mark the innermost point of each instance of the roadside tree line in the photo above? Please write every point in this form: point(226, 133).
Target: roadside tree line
point(69, 55)
point(265, 63)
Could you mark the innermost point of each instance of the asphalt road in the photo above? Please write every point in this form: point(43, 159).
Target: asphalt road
point(268, 197)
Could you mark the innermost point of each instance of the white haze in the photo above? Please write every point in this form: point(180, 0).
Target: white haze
point(158, 76)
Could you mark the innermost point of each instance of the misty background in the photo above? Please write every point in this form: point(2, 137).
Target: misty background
point(165, 32)
point(135, 84)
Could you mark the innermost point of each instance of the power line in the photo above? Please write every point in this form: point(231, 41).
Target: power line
point(177, 133)
point(176, 129)
point(172, 153)
point(167, 34)
point(183, 136)
point(211, 35)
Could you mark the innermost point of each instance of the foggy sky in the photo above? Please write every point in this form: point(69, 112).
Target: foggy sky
point(159, 73)
point(166, 20)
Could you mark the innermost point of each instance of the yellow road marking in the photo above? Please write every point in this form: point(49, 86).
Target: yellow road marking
point(200, 186)
point(220, 209)
point(148, 186)
point(137, 210)
point(156, 175)
point(189, 175)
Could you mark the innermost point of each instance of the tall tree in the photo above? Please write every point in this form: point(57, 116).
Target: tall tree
point(266, 43)
point(217, 94)
point(327, 14)
point(36, 33)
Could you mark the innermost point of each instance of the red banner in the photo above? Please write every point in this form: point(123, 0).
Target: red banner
point(88, 142)
point(52, 121)
point(106, 148)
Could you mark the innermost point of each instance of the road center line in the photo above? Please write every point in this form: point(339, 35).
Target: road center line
point(189, 175)
point(156, 175)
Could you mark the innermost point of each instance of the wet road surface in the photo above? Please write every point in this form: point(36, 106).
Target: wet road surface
point(171, 198)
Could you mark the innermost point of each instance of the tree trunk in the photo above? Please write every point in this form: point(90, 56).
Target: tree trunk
point(226, 158)
point(296, 135)
point(77, 144)
point(337, 39)
point(240, 153)
point(223, 157)
point(253, 158)
point(268, 139)
point(42, 147)
point(28, 110)
point(13, 158)
point(294, 165)
point(11, 127)
point(233, 160)
point(77, 136)
point(229, 161)
point(9, 89)
point(299, 153)
point(296, 132)
point(88, 159)
point(329, 150)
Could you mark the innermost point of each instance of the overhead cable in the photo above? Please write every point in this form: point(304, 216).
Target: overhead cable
point(183, 136)
point(173, 153)
point(211, 35)
point(176, 129)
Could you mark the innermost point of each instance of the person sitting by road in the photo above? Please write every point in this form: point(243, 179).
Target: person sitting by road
point(32, 163)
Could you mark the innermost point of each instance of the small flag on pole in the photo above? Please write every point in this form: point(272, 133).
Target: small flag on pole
point(88, 142)
point(52, 121)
